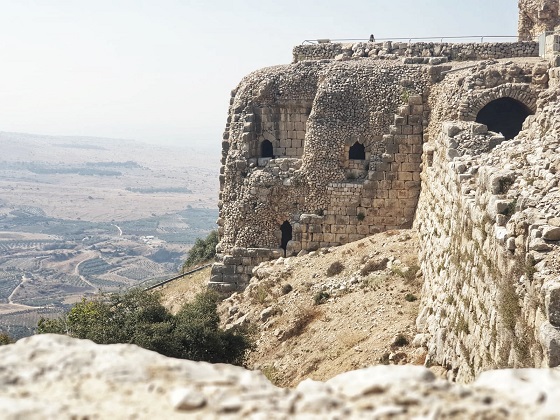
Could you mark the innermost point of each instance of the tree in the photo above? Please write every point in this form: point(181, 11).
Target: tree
point(203, 250)
point(138, 317)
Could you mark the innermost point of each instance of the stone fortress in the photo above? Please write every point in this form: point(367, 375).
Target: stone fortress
point(459, 141)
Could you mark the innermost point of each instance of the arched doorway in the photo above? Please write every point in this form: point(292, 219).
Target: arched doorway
point(357, 152)
point(504, 115)
point(286, 230)
point(266, 149)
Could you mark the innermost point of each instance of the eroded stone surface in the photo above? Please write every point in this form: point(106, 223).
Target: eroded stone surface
point(50, 376)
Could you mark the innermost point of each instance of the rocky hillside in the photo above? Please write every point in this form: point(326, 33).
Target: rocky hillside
point(57, 377)
point(326, 312)
point(333, 310)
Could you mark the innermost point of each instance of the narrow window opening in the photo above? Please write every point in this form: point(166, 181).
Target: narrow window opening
point(357, 152)
point(266, 149)
point(286, 230)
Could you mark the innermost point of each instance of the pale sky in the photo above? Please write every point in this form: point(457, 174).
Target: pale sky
point(161, 71)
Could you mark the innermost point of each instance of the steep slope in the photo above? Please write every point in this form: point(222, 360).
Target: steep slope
point(333, 310)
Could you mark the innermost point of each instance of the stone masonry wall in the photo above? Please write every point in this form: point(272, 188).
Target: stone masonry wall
point(313, 113)
point(490, 236)
point(536, 17)
point(426, 52)
point(329, 199)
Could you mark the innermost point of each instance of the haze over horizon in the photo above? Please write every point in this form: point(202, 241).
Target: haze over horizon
point(162, 71)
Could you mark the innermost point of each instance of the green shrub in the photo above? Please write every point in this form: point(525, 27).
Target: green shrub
point(138, 317)
point(202, 251)
point(360, 216)
point(5, 339)
point(287, 288)
point(400, 341)
point(335, 268)
point(410, 297)
point(321, 297)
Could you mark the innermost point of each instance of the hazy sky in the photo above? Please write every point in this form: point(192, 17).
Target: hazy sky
point(162, 70)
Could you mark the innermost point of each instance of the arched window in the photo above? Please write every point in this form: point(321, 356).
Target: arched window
point(357, 152)
point(266, 149)
point(504, 115)
point(286, 230)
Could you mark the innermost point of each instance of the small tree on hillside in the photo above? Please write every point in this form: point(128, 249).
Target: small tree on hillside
point(138, 317)
point(203, 250)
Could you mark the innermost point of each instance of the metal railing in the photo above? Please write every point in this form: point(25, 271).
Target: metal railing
point(409, 39)
point(161, 283)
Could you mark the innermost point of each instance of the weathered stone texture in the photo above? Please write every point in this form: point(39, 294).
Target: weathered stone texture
point(367, 137)
point(57, 377)
point(536, 17)
point(490, 297)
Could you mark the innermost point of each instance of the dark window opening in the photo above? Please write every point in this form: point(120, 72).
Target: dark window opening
point(266, 149)
point(357, 152)
point(504, 115)
point(286, 230)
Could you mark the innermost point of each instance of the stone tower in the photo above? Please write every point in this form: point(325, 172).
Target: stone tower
point(536, 17)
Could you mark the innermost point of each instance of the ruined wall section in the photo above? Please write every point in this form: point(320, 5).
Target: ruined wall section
point(313, 113)
point(357, 102)
point(463, 93)
point(536, 17)
point(416, 52)
point(490, 234)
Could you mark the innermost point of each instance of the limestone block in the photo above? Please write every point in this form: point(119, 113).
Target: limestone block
point(293, 247)
point(405, 176)
point(338, 229)
point(538, 244)
point(551, 233)
point(550, 340)
point(362, 230)
point(551, 290)
point(407, 129)
point(341, 238)
point(216, 278)
point(329, 237)
point(231, 260)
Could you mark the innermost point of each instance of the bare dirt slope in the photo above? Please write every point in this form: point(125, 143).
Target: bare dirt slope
point(176, 293)
point(311, 321)
point(333, 310)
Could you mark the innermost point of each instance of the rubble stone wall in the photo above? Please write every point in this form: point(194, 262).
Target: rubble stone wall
point(417, 52)
point(312, 114)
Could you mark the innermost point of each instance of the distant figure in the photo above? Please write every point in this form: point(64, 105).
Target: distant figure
point(371, 38)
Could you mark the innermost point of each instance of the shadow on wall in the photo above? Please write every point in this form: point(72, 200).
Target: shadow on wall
point(504, 115)
point(286, 230)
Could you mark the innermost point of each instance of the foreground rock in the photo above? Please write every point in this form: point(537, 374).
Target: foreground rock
point(58, 377)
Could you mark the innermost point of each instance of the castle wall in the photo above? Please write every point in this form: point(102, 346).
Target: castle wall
point(418, 52)
point(536, 17)
point(489, 257)
point(312, 114)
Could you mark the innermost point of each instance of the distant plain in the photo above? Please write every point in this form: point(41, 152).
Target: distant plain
point(79, 216)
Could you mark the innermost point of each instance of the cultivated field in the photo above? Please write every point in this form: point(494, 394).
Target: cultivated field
point(84, 216)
